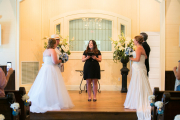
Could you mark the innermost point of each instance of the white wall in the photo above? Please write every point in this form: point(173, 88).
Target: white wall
point(8, 32)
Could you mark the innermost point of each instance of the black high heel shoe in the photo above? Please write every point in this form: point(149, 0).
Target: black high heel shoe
point(94, 100)
point(89, 100)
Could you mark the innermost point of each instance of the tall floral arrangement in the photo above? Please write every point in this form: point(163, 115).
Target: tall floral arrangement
point(63, 44)
point(121, 47)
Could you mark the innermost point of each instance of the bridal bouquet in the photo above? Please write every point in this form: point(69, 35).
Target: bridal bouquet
point(123, 48)
point(64, 57)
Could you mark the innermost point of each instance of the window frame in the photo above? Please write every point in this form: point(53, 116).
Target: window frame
point(116, 19)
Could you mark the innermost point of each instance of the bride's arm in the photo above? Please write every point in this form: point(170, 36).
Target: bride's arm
point(138, 55)
point(54, 57)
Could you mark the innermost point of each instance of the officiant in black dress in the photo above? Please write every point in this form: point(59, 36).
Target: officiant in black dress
point(91, 71)
point(147, 50)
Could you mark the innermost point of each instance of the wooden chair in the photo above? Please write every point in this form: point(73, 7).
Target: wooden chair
point(25, 110)
point(5, 103)
point(158, 97)
point(171, 107)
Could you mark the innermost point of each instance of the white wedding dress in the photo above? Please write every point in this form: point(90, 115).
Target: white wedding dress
point(48, 91)
point(139, 90)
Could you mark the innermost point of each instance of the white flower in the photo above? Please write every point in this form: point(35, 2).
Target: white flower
point(64, 48)
point(121, 48)
point(151, 97)
point(15, 105)
point(2, 117)
point(116, 48)
point(159, 104)
point(177, 117)
point(25, 97)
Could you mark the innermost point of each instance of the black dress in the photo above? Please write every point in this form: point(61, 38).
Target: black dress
point(91, 68)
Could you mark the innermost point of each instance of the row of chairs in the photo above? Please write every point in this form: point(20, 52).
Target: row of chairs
point(11, 97)
point(171, 104)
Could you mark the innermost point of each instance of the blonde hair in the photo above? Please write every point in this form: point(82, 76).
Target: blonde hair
point(139, 39)
point(51, 43)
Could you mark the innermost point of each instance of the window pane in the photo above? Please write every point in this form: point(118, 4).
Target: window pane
point(85, 29)
point(58, 29)
point(122, 29)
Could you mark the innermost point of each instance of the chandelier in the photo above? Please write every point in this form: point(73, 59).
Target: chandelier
point(95, 22)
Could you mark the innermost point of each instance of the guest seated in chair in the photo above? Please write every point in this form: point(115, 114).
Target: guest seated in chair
point(4, 80)
point(177, 75)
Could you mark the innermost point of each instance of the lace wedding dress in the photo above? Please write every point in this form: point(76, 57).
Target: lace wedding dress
point(139, 90)
point(48, 91)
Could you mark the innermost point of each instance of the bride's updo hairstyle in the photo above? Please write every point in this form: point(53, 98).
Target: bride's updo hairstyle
point(51, 43)
point(139, 39)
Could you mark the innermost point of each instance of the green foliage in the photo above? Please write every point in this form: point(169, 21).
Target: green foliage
point(120, 47)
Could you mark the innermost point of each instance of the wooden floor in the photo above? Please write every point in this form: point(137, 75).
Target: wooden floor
point(109, 104)
point(106, 101)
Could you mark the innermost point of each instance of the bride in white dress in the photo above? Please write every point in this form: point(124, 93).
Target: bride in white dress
point(139, 87)
point(48, 91)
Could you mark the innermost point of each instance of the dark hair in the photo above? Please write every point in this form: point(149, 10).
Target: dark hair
point(95, 50)
point(145, 36)
point(51, 43)
point(139, 39)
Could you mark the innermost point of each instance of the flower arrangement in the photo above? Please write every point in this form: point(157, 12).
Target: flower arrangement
point(63, 44)
point(151, 99)
point(123, 47)
point(15, 107)
point(63, 48)
point(177, 117)
point(25, 98)
point(2, 117)
point(159, 106)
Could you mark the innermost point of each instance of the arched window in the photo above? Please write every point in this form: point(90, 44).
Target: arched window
point(86, 29)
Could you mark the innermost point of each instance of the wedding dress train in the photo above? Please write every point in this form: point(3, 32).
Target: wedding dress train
point(48, 91)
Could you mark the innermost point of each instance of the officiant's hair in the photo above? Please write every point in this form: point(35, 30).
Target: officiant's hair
point(95, 49)
point(51, 43)
point(145, 36)
point(139, 39)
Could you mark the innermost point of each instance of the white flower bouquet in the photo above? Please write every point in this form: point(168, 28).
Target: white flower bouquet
point(177, 117)
point(25, 97)
point(15, 105)
point(159, 104)
point(2, 117)
point(151, 99)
